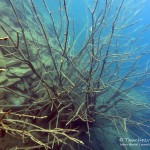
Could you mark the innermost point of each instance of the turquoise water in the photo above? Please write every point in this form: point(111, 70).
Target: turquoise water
point(80, 14)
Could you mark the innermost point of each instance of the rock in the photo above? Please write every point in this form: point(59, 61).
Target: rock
point(12, 81)
point(12, 62)
point(2, 93)
point(18, 72)
point(17, 101)
point(3, 79)
point(2, 61)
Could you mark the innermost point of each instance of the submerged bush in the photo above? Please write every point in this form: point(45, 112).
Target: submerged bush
point(62, 77)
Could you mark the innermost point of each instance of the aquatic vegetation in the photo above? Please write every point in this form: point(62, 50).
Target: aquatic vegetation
point(55, 87)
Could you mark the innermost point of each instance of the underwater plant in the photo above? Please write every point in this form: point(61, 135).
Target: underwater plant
point(59, 82)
